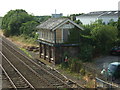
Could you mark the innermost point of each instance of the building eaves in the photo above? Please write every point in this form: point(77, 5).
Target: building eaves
point(68, 20)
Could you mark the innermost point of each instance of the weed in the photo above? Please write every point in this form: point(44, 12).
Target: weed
point(26, 52)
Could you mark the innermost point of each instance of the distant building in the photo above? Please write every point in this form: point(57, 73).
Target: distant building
point(53, 34)
point(91, 17)
point(57, 15)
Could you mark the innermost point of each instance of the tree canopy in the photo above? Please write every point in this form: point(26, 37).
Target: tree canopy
point(28, 28)
point(99, 38)
point(13, 20)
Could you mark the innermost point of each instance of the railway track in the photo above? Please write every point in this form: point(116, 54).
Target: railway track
point(15, 77)
point(51, 70)
point(36, 80)
point(5, 81)
point(59, 75)
point(51, 76)
point(39, 71)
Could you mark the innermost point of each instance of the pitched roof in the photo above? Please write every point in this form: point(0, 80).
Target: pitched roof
point(53, 23)
point(101, 13)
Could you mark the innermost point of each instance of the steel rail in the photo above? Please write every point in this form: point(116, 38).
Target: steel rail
point(15, 47)
point(28, 67)
point(14, 86)
point(36, 64)
point(18, 72)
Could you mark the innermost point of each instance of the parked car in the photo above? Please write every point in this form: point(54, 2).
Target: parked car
point(113, 70)
point(115, 51)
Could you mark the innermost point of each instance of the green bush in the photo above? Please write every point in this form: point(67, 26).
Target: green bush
point(104, 36)
point(64, 65)
point(86, 52)
point(74, 65)
point(82, 71)
point(6, 33)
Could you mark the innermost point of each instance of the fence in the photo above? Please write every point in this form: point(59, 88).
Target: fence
point(103, 84)
point(94, 71)
point(101, 81)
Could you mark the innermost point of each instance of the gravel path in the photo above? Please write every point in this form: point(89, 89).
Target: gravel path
point(102, 62)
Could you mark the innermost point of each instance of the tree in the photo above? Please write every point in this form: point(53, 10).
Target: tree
point(73, 16)
point(28, 28)
point(40, 19)
point(13, 20)
point(78, 22)
point(104, 37)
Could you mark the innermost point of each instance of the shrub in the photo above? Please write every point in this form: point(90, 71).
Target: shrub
point(74, 65)
point(86, 52)
point(104, 36)
point(82, 71)
point(6, 33)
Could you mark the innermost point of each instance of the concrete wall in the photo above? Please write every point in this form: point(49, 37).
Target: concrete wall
point(106, 19)
point(86, 20)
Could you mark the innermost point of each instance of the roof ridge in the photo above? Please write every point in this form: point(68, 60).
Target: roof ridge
point(51, 23)
point(60, 23)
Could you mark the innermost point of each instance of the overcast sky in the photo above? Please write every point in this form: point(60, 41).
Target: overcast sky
point(67, 7)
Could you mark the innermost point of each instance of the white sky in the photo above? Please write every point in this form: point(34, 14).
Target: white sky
point(67, 7)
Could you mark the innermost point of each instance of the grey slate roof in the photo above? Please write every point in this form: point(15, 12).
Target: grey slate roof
point(51, 23)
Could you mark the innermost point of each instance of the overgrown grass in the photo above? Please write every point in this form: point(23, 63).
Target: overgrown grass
point(26, 52)
point(76, 69)
point(24, 39)
point(67, 71)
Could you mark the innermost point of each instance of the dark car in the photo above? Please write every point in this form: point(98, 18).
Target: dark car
point(113, 70)
point(115, 51)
